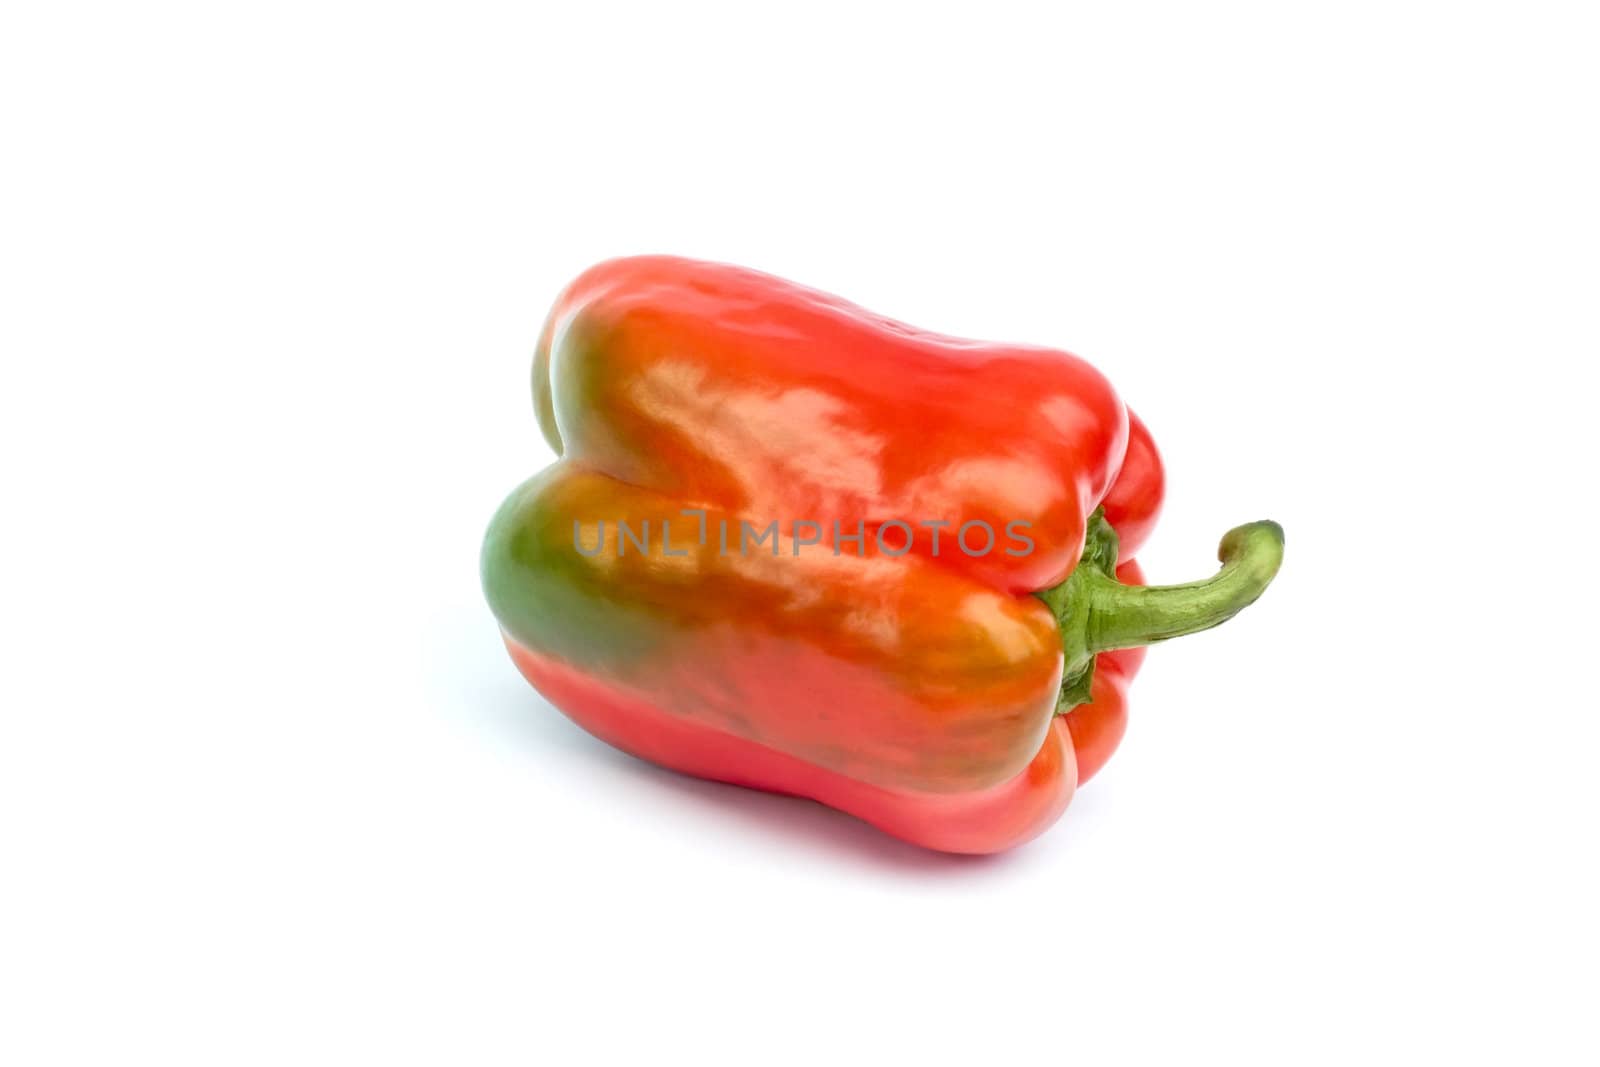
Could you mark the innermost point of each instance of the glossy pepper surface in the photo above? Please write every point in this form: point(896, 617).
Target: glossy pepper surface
point(796, 546)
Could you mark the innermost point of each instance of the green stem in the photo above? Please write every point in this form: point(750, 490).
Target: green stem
point(1096, 613)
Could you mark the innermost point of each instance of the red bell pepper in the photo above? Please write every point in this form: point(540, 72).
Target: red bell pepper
point(796, 546)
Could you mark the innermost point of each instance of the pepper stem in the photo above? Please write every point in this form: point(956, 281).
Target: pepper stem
point(1096, 613)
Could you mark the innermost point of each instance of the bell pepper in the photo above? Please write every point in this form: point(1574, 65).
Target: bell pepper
point(796, 546)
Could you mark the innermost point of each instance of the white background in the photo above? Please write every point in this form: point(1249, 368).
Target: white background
point(270, 791)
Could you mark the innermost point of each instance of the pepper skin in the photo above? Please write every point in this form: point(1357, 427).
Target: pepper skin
point(861, 651)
